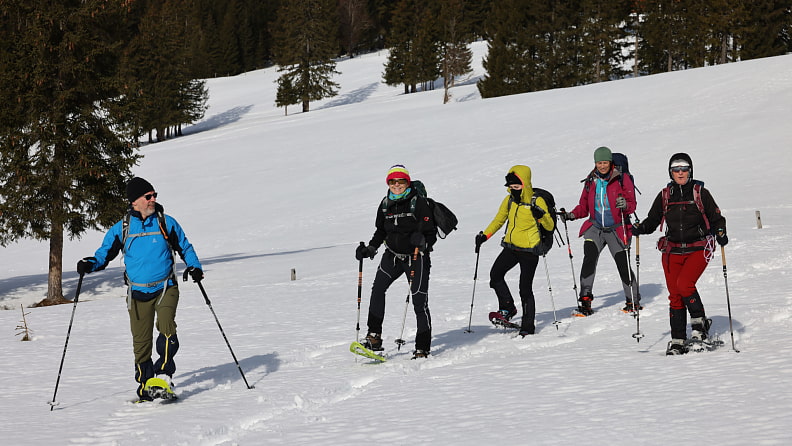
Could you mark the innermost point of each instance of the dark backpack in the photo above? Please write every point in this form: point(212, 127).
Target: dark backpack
point(620, 162)
point(546, 237)
point(445, 220)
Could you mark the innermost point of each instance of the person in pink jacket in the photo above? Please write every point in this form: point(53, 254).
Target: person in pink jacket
point(608, 198)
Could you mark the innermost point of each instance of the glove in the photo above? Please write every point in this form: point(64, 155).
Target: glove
point(481, 237)
point(196, 274)
point(566, 216)
point(365, 251)
point(537, 212)
point(86, 265)
point(417, 239)
point(621, 203)
point(721, 237)
point(637, 229)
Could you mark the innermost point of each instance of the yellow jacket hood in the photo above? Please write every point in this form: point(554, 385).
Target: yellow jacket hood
point(524, 174)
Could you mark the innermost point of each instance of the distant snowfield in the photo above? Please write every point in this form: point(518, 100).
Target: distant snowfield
point(259, 193)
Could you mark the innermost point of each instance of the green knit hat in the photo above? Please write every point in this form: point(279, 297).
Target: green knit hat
point(603, 154)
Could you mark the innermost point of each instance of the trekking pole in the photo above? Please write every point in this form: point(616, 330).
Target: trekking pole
point(209, 304)
point(728, 304)
point(401, 341)
point(638, 335)
point(635, 305)
point(475, 276)
point(53, 403)
point(556, 322)
point(569, 251)
point(360, 294)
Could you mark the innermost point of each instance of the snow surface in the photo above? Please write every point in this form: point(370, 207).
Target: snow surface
point(260, 193)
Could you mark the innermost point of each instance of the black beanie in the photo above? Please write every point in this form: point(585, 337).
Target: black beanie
point(512, 178)
point(137, 187)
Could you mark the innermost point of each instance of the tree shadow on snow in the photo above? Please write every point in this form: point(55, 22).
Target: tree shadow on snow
point(219, 120)
point(356, 96)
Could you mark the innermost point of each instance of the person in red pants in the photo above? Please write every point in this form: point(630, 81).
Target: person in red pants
point(693, 224)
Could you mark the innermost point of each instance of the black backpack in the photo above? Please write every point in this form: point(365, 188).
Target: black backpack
point(445, 220)
point(620, 162)
point(547, 238)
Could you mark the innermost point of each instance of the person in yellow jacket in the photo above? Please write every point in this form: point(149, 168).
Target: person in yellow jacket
point(520, 243)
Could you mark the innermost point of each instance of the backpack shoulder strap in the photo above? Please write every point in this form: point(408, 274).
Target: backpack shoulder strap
point(666, 194)
point(699, 203)
point(124, 231)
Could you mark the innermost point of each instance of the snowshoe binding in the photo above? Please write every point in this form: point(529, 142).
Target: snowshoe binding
point(676, 347)
point(584, 306)
point(499, 318)
point(419, 354)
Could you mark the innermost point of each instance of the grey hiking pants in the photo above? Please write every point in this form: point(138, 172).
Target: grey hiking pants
point(595, 240)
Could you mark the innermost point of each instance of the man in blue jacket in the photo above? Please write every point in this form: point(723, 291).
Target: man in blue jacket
point(149, 240)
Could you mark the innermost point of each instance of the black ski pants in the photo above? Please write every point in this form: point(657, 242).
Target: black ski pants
point(390, 268)
point(506, 260)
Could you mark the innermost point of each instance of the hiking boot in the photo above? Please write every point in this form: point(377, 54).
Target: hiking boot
point(142, 394)
point(700, 328)
point(676, 347)
point(584, 305)
point(527, 332)
point(373, 342)
point(508, 314)
point(420, 354)
point(628, 307)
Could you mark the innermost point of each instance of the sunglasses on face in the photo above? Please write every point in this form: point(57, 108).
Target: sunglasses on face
point(150, 196)
point(680, 169)
point(397, 181)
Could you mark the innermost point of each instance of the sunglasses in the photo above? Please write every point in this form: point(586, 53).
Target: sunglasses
point(150, 196)
point(397, 181)
point(680, 169)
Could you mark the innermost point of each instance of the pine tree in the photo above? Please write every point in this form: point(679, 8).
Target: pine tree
point(63, 164)
point(511, 62)
point(603, 39)
point(768, 31)
point(354, 21)
point(164, 96)
point(456, 30)
point(305, 45)
point(400, 67)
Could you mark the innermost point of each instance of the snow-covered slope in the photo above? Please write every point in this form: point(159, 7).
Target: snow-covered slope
point(260, 193)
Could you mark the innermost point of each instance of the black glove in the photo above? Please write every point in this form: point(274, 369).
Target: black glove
point(621, 203)
point(721, 237)
point(195, 273)
point(537, 212)
point(566, 216)
point(418, 240)
point(638, 229)
point(86, 265)
point(481, 237)
point(365, 251)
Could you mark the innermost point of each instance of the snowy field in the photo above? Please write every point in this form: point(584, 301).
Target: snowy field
point(259, 193)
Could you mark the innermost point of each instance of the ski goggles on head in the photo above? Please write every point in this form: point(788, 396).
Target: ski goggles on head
point(680, 169)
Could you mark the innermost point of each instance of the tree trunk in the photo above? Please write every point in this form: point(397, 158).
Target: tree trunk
point(55, 271)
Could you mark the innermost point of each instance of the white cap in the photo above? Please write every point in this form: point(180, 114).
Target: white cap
point(679, 163)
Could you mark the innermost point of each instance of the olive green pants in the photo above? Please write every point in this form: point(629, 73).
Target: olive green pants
point(141, 321)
